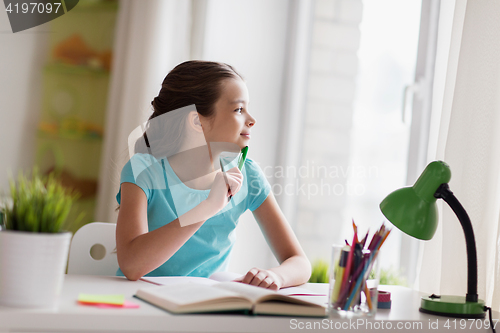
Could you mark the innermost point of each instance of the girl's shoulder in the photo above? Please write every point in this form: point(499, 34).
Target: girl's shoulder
point(258, 185)
point(142, 164)
point(253, 168)
point(251, 165)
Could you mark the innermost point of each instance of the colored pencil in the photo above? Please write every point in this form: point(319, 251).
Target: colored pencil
point(347, 271)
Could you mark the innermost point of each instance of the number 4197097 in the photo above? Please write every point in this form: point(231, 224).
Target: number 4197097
point(36, 7)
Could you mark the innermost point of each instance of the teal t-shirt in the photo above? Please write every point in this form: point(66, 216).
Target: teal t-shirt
point(208, 250)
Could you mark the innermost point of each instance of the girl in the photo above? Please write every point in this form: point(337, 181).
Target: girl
point(184, 226)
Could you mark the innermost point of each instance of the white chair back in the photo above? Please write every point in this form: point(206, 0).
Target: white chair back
point(92, 250)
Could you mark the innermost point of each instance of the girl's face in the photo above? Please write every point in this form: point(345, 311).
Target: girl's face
point(232, 121)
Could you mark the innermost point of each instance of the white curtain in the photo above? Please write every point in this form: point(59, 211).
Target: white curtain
point(151, 37)
point(466, 135)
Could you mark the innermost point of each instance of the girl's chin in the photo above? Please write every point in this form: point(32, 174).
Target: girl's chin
point(243, 143)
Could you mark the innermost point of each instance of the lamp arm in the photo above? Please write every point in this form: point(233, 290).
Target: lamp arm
point(447, 195)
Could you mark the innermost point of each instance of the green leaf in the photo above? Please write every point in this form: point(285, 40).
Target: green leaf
point(39, 204)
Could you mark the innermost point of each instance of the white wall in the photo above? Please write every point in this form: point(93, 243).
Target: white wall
point(22, 56)
point(333, 68)
point(251, 36)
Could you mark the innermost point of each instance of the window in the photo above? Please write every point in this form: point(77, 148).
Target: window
point(355, 143)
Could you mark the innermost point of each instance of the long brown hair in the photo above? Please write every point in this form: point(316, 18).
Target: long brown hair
point(192, 82)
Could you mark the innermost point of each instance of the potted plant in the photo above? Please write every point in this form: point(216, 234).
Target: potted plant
point(33, 246)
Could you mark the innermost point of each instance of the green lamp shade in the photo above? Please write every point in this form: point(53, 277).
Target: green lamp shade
point(413, 209)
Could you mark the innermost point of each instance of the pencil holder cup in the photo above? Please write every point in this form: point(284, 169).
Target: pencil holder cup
point(354, 279)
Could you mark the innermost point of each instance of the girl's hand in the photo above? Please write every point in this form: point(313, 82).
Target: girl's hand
point(235, 179)
point(262, 278)
point(220, 191)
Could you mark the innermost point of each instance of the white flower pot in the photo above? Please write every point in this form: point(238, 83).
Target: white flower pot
point(32, 267)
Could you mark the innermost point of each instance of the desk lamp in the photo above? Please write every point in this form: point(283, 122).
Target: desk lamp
point(413, 210)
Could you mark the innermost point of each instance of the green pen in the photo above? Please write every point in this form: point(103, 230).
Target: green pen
point(241, 161)
point(243, 157)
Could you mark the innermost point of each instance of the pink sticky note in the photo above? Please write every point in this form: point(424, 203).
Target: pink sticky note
point(126, 305)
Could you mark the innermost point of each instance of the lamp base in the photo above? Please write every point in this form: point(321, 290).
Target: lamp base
point(452, 306)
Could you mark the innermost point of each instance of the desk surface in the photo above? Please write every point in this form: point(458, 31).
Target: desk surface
point(70, 316)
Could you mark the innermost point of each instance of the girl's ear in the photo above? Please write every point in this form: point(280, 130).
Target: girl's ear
point(194, 121)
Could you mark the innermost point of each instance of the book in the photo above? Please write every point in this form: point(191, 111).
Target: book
point(223, 277)
point(230, 297)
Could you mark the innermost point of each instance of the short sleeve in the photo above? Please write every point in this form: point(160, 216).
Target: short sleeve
point(258, 185)
point(144, 171)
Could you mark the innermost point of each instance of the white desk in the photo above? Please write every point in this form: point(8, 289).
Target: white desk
point(69, 316)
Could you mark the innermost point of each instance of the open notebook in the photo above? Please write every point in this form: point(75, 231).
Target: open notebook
point(223, 277)
point(230, 297)
point(219, 294)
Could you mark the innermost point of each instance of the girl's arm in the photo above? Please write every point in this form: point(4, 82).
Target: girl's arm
point(294, 268)
point(140, 251)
